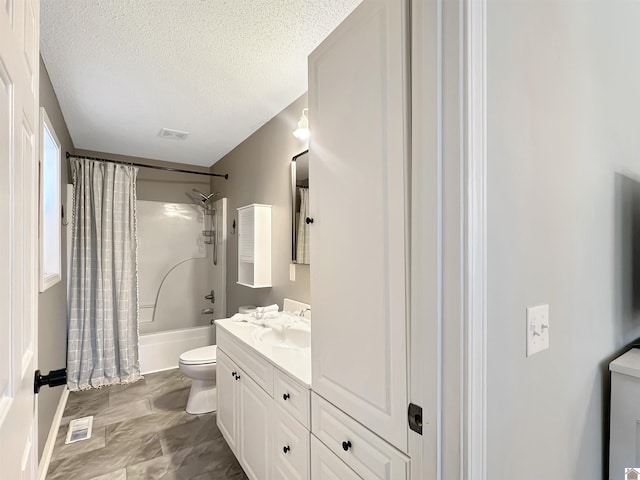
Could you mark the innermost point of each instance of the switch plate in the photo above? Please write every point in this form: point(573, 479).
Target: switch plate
point(537, 329)
point(292, 272)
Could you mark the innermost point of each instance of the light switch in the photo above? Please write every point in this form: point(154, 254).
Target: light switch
point(537, 329)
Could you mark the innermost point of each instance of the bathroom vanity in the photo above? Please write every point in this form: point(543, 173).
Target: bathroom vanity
point(264, 398)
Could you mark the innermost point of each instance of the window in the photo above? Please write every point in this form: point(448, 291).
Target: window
point(50, 204)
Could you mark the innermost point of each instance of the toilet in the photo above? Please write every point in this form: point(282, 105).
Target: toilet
point(199, 364)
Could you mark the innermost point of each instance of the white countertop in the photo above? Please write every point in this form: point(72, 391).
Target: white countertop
point(295, 362)
point(628, 363)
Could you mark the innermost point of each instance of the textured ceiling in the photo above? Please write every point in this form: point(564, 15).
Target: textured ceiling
point(218, 69)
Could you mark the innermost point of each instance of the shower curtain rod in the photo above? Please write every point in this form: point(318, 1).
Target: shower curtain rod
point(168, 169)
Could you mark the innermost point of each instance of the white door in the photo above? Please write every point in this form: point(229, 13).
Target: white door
point(227, 416)
point(256, 444)
point(358, 91)
point(19, 83)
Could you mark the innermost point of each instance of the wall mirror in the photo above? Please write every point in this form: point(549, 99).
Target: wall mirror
point(300, 208)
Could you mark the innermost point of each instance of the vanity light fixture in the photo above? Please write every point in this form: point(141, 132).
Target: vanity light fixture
point(302, 132)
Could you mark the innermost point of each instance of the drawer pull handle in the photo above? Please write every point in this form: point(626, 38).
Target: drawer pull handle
point(286, 397)
point(286, 449)
point(346, 445)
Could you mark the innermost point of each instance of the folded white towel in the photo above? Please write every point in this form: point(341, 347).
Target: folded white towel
point(268, 308)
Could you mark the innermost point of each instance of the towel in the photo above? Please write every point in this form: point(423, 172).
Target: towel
point(275, 320)
point(260, 311)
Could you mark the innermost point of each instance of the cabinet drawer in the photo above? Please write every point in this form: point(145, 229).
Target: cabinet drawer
point(255, 366)
point(291, 443)
point(366, 453)
point(292, 397)
point(327, 466)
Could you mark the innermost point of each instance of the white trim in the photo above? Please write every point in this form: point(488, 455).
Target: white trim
point(48, 280)
point(474, 441)
point(47, 453)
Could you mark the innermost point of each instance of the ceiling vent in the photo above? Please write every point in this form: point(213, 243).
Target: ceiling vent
point(172, 134)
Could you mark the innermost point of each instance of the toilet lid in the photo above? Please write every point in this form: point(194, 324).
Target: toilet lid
point(199, 356)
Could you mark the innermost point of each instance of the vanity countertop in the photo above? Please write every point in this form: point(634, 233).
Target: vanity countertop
point(293, 361)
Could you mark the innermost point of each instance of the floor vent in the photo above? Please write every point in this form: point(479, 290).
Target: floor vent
point(79, 429)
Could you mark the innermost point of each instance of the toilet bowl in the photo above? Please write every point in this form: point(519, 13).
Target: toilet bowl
point(199, 364)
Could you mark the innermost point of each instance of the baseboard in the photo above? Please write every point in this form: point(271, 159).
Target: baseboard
point(43, 466)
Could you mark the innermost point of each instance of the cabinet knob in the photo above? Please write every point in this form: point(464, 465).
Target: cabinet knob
point(233, 374)
point(309, 220)
point(238, 377)
point(346, 445)
point(286, 449)
point(286, 397)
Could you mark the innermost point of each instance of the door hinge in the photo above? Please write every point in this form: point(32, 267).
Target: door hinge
point(415, 418)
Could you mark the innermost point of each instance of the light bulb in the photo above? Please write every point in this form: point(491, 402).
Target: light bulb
point(302, 132)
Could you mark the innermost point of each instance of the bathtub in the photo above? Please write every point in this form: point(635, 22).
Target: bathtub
point(160, 351)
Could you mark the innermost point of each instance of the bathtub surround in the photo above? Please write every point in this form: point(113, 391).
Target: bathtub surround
point(102, 346)
point(260, 172)
point(141, 431)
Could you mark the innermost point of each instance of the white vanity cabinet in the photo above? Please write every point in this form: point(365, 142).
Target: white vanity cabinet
point(244, 418)
point(254, 246)
point(263, 412)
point(359, 234)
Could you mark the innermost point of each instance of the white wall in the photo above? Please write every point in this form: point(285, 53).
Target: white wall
point(563, 183)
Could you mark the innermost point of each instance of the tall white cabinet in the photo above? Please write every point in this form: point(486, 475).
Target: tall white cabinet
point(358, 92)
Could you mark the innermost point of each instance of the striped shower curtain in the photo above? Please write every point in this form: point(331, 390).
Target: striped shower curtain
point(102, 344)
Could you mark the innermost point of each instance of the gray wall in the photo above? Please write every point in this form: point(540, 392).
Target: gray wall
point(259, 172)
point(563, 182)
point(52, 304)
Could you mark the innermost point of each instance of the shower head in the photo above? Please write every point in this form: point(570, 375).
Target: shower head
point(205, 198)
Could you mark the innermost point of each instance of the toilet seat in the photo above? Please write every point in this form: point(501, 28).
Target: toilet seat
point(200, 356)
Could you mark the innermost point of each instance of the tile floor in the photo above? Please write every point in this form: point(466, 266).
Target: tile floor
point(141, 431)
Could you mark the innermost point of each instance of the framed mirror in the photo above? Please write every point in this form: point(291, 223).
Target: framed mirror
point(300, 208)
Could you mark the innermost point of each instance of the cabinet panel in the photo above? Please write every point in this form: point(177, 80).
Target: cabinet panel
point(326, 466)
point(256, 443)
point(259, 370)
point(291, 447)
point(370, 456)
point(359, 235)
point(292, 397)
point(226, 417)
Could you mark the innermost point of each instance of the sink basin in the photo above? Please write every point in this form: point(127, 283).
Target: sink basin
point(293, 337)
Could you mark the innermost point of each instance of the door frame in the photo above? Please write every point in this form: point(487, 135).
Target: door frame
point(448, 301)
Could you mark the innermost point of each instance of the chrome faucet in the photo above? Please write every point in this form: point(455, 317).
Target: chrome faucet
point(303, 311)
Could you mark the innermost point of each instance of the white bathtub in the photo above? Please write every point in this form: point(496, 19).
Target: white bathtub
point(160, 351)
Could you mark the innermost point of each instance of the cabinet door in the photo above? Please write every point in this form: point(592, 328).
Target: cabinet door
point(227, 418)
point(358, 163)
point(256, 443)
point(291, 442)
